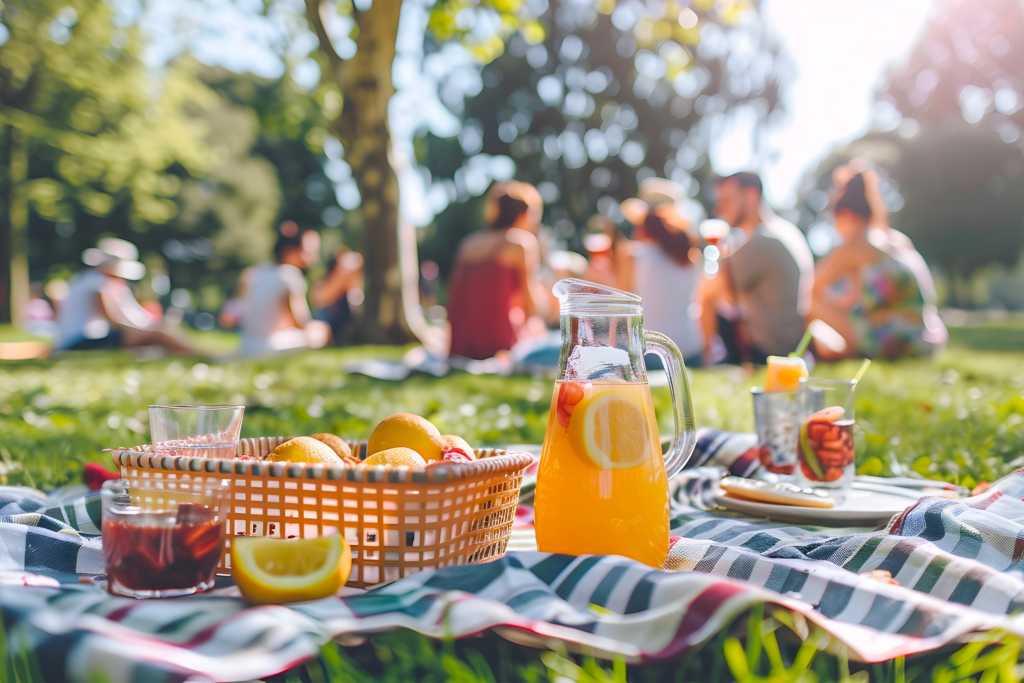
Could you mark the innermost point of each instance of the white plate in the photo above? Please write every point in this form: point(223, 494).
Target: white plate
point(865, 505)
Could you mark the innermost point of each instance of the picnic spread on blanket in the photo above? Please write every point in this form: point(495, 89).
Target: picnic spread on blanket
point(238, 558)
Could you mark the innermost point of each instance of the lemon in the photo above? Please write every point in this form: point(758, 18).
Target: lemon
point(396, 457)
point(304, 449)
point(407, 431)
point(611, 431)
point(272, 571)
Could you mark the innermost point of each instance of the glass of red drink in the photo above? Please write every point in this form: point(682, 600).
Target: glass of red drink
point(163, 538)
point(825, 451)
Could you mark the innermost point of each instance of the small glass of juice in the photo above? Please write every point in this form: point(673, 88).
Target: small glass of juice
point(163, 538)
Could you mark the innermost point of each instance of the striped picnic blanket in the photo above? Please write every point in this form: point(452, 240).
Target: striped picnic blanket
point(958, 563)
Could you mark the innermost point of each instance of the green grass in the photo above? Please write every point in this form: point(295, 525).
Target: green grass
point(959, 417)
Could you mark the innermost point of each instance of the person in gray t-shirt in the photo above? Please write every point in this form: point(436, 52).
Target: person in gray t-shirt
point(769, 277)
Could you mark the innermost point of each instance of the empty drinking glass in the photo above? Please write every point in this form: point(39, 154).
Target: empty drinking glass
point(196, 431)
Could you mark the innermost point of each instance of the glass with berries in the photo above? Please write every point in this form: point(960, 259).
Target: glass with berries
point(826, 445)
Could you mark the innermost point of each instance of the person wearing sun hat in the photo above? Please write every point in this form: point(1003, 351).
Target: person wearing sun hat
point(101, 312)
point(660, 263)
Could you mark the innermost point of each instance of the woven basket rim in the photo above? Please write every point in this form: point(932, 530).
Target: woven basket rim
point(490, 462)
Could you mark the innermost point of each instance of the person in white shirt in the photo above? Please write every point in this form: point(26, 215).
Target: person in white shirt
point(101, 312)
point(658, 265)
point(275, 315)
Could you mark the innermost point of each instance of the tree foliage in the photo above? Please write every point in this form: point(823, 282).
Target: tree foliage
point(954, 163)
point(612, 94)
point(969, 64)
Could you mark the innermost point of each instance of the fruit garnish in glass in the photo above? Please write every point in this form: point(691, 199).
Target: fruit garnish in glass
point(163, 538)
point(602, 486)
point(826, 443)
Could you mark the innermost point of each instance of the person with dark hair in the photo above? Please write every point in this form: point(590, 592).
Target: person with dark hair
point(275, 315)
point(895, 244)
point(871, 298)
point(491, 299)
point(757, 304)
point(658, 266)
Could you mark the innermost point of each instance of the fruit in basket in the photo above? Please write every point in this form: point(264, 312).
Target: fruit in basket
point(452, 457)
point(396, 457)
point(407, 431)
point(272, 571)
point(304, 449)
point(458, 445)
point(335, 443)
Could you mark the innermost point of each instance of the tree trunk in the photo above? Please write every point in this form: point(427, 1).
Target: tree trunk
point(362, 128)
point(18, 224)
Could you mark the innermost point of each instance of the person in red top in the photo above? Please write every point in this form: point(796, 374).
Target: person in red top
point(491, 304)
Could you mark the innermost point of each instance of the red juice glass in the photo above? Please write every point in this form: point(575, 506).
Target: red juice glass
point(163, 538)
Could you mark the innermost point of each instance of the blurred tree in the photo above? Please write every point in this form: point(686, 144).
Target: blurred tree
point(84, 141)
point(613, 94)
point(969, 65)
point(551, 104)
point(953, 172)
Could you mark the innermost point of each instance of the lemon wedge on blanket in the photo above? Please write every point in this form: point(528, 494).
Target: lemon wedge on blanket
point(611, 430)
point(277, 571)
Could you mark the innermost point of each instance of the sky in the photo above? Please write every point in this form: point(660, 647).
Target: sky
point(840, 50)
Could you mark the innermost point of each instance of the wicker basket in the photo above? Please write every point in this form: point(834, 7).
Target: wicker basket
point(398, 520)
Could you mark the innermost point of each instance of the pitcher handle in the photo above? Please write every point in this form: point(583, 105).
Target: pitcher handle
point(685, 437)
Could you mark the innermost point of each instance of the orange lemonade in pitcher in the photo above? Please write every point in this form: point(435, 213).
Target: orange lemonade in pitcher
point(602, 487)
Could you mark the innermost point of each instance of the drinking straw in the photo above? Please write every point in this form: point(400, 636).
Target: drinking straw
point(804, 341)
point(863, 368)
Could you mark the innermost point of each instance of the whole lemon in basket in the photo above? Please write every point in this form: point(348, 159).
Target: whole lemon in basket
point(304, 449)
point(396, 457)
point(276, 571)
point(407, 431)
point(335, 443)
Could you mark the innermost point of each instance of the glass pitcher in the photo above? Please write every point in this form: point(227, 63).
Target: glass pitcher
point(602, 487)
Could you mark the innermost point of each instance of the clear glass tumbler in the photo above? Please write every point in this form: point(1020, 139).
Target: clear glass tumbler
point(826, 451)
point(196, 431)
point(163, 538)
point(776, 417)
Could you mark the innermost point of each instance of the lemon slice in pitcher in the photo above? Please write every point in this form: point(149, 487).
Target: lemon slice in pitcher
point(611, 431)
point(276, 571)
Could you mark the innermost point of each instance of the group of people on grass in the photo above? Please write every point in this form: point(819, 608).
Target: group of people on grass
point(271, 306)
point(757, 298)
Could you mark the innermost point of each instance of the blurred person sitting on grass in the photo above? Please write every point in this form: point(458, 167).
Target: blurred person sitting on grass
point(334, 295)
point(764, 285)
point(493, 293)
point(871, 298)
point(895, 244)
point(275, 315)
point(100, 310)
point(657, 264)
